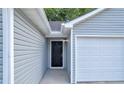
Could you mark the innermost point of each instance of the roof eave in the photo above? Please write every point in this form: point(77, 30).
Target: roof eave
point(82, 18)
point(39, 19)
point(65, 30)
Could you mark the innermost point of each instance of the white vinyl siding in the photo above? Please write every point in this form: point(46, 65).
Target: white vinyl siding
point(108, 22)
point(30, 51)
point(1, 46)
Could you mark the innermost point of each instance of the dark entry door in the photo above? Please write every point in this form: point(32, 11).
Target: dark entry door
point(56, 54)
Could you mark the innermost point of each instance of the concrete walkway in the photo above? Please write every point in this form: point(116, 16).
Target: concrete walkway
point(55, 76)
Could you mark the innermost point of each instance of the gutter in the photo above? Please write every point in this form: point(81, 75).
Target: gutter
point(42, 13)
point(38, 18)
point(67, 27)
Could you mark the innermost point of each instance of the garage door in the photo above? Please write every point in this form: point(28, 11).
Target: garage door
point(99, 59)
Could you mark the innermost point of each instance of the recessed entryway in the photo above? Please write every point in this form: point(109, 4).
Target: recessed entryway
point(55, 76)
point(56, 54)
point(57, 71)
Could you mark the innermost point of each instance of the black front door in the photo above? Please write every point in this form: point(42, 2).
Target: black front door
point(56, 54)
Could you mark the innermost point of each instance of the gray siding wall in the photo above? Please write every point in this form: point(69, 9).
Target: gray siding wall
point(108, 22)
point(1, 46)
point(49, 53)
point(30, 51)
point(65, 55)
point(69, 56)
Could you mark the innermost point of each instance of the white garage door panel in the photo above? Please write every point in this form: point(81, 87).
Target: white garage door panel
point(100, 59)
point(96, 61)
point(105, 76)
point(100, 51)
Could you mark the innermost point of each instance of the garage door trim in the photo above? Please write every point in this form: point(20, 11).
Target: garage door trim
point(90, 36)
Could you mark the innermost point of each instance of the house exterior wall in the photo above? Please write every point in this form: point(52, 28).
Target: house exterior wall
point(69, 56)
point(108, 22)
point(1, 46)
point(30, 51)
point(65, 54)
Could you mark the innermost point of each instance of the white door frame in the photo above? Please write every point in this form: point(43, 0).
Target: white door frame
point(62, 54)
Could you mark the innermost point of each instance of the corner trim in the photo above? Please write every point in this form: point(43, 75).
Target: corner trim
point(8, 45)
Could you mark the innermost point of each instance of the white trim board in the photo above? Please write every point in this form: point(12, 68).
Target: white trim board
point(63, 55)
point(8, 45)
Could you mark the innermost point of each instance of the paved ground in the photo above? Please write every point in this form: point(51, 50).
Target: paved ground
point(60, 77)
point(55, 77)
point(103, 82)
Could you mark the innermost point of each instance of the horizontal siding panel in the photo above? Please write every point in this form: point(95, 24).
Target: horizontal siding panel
point(1, 23)
point(93, 25)
point(1, 76)
point(1, 18)
point(19, 70)
point(29, 75)
point(1, 82)
point(1, 68)
point(0, 11)
point(25, 35)
point(26, 61)
point(103, 29)
point(29, 51)
point(98, 24)
point(1, 32)
point(109, 18)
point(22, 28)
point(21, 21)
point(109, 21)
point(26, 47)
point(25, 41)
point(1, 47)
point(1, 61)
point(1, 40)
point(18, 53)
point(24, 57)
